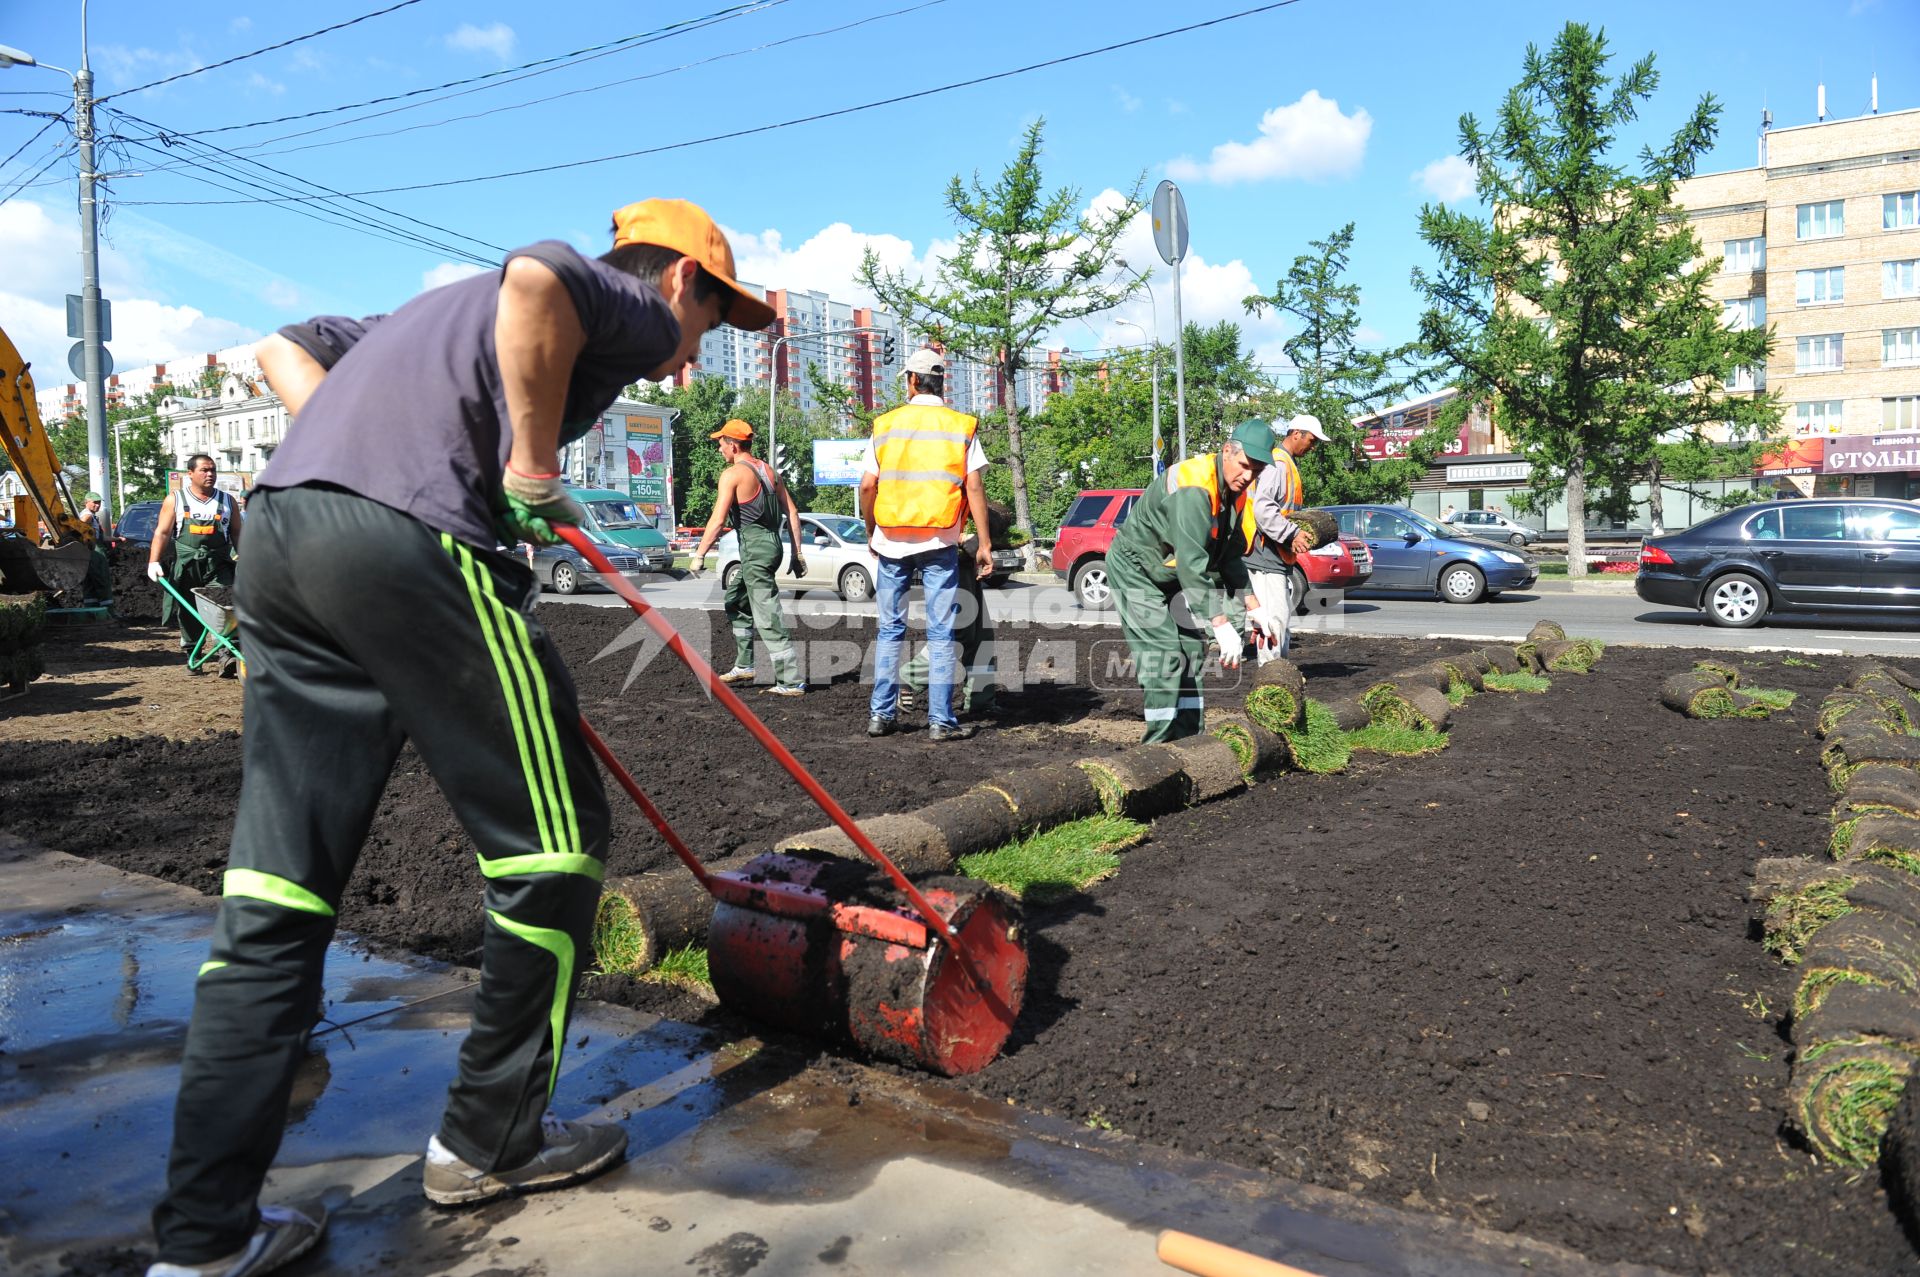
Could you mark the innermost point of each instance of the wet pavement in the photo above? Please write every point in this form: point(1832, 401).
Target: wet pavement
point(744, 1158)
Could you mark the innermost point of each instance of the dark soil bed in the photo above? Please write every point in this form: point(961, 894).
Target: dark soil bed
point(1518, 982)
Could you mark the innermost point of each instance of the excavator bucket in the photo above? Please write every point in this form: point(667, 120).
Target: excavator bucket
point(25, 567)
point(59, 570)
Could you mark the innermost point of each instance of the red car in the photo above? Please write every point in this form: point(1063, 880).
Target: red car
point(1080, 552)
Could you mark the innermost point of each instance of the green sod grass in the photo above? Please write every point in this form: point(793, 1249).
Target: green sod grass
point(1793, 917)
point(1840, 842)
point(1272, 707)
point(618, 944)
point(1113, 795)
point(1378, 738)
point(686, 968)
point(1240, 740)
point(1519, 682)
point(1056, 862)
point(1846, 1107)
point(1457, 692)
point(1799, 664)
point(1772, 697)
point(1319, 746)
point(1816, 985)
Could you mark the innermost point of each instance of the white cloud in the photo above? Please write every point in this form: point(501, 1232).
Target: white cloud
point(448, 273)
point(1128, 102)
point(44, 265)
point(1448, 179)
point(261, 84)
point(239, 24)
point(1309, 139)
point(828, 260)
point(497, 39)
point(124, 64)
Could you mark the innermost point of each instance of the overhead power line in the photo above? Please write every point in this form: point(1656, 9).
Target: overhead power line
point(51, 121)
point(785, 124)
point(289, 183)
point(227, 62)
point(61, 150)
point(531, 69)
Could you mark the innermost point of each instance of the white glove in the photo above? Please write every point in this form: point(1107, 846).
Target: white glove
point(155, 571)
point(1227, 639)
point(1260, 619)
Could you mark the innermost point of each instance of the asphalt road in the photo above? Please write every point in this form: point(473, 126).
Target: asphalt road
point(1607, 610)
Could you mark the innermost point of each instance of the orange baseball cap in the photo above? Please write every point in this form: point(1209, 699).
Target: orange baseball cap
point(735, 429)
point(686, 229)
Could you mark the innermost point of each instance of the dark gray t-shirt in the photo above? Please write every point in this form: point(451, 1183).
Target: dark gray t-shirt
point(411, 413)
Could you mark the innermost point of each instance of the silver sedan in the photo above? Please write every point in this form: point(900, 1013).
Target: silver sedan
point(836, 553)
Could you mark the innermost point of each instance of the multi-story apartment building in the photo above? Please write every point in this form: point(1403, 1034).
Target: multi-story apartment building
point(1822, 240)
point(810, 321)
point(188, 375)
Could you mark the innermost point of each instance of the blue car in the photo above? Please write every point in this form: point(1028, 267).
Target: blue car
point(1413, 552)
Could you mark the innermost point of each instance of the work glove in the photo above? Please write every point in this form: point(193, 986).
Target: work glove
point(1227, 639)
point(1265, 623)
point(796, 564)
point(155, 572)
point(695, 566)
point(534, 503)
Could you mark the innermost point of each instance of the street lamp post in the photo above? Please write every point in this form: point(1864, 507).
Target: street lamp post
point(92, 351)
point(1155, 343)
point(1153, 302)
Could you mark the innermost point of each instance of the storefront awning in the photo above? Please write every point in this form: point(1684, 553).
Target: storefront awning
point(1873, 454)
point(1793, 456)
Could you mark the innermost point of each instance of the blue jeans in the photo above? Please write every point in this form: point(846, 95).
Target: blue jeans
point(939, 576)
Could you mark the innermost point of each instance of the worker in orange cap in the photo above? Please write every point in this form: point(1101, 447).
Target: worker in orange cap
point(750, 501)
point(426, 439)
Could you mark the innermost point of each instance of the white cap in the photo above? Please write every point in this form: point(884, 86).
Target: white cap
point(927, 360)
point(1309, 424)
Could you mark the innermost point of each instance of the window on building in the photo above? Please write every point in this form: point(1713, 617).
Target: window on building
point(1817, 417)
point(1900, 210)
point(1744, 254)
point(1746, 377)
point(1900, 412)
point(1899, 346)
point(1820, 287)
point(1900, 279)
point(1742, 313)
point(1820, 221)
point(1820, 353)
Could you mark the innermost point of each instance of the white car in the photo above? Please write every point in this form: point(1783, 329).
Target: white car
point(836, 553)
point(1493, 526)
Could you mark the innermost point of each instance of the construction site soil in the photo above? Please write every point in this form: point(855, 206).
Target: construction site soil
point(1518, 982)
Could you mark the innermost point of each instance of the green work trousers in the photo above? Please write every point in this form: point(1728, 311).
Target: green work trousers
point(753, 604)
point(191, 570)
point(1167, 656)
point(974, 689)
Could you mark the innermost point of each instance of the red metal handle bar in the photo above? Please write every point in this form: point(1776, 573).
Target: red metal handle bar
point(771, 743)
point(639, 795)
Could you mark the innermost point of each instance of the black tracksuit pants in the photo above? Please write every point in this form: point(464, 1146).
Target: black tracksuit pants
point(364, 628)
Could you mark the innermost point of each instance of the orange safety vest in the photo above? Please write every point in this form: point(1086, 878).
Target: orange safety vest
point(1203, 472)
point(921, 451)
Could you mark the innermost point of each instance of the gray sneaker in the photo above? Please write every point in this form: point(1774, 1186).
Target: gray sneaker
point(787, 689)
point(282, 1236)
point(575, 1151)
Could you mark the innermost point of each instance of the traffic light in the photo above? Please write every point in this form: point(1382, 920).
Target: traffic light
point(888, 347)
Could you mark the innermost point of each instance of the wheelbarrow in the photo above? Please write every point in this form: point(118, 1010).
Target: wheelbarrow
point(219, 627)
point(803, 943)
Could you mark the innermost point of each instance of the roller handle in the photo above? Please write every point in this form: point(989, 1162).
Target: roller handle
point(1203, 1258)
point(771, 743)
point(639, 796)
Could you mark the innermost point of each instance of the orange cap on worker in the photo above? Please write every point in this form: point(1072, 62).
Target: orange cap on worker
point(735, 429)
point(685, 228)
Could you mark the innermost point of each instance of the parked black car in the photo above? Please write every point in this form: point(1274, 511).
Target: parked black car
point(1824, 553)
point(136, 523)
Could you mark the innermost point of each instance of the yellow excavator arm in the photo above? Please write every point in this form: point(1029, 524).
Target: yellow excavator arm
point(24, 564)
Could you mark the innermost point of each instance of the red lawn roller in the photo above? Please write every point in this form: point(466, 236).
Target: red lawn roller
point(814, 945)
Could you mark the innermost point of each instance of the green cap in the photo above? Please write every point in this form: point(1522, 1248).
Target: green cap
point(1257, 438)
point(92, 496)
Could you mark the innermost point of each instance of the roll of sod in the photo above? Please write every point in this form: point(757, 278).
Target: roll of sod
point(644, 917)
point(22, 616)
point(1503, 660)
point(1259, 750)
point(1414, 706)
point(1141, 781)
point(1349, 715)
point(1470, 668)
point(1706, 695)
point(1878, 838)
point(1841, 706)
point(1907, 680)
point(1856, 1012)
point(978, 820)
point(1842, 1100)
point(1727, 673)
point(1528, 654)
point(1898, 708)
point(1043, 797)
point(1802, 896)
point(1567, 656)
point(1325, 528)
point(910, 841)
point(1545, 631)
point(1212, 768)
point(1434, 674)
point(1278, 698)
point(1877, 788)
point(1319, 745)
point(1868, 948)
point(1900, 1163)
point(1856, 744)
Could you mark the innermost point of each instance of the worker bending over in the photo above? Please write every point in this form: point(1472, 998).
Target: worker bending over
point(1178, 563)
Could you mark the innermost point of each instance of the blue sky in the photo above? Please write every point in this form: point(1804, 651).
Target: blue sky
point(1280, 127)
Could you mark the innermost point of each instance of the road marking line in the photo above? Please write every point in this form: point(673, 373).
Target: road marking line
point(1804, 651)
point(1480, 638)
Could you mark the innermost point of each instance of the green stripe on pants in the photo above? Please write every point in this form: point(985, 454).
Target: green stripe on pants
point(560, 945)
